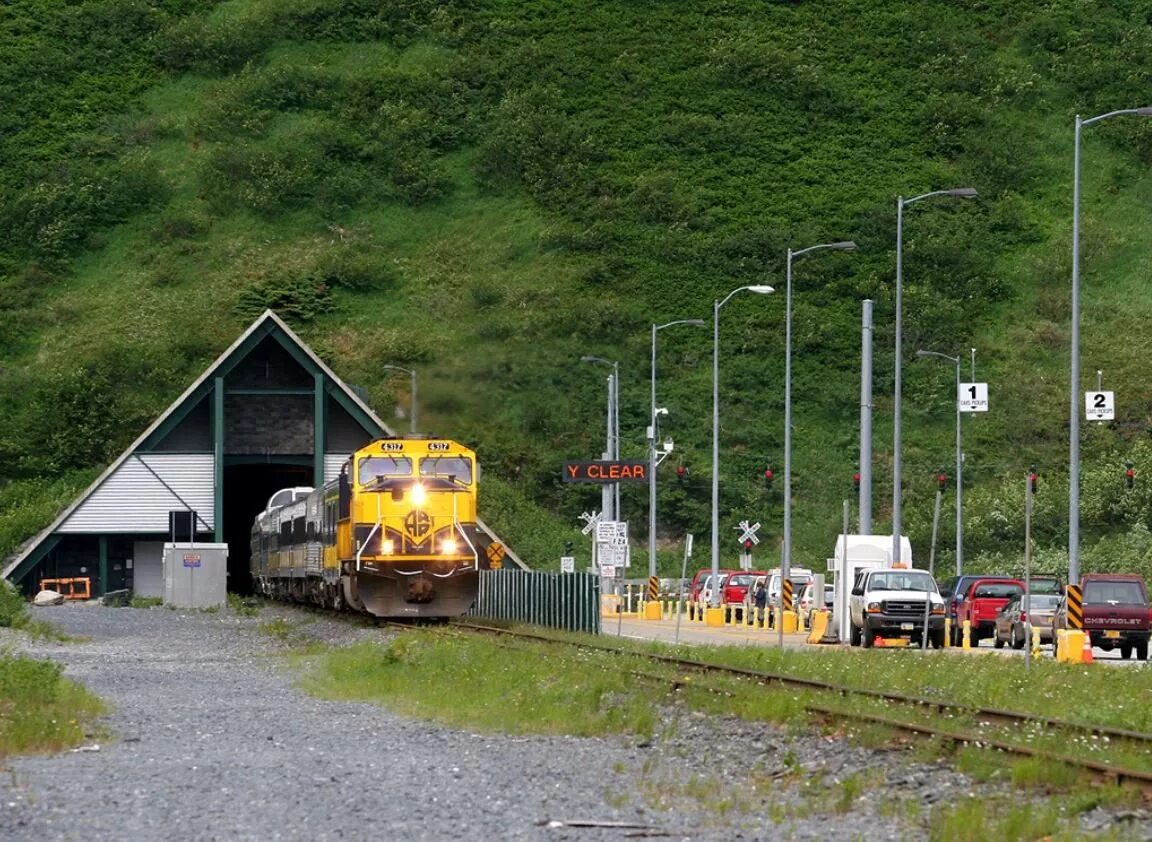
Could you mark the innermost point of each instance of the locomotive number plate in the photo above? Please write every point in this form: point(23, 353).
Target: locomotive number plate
point(437, 445)
point(391, 445)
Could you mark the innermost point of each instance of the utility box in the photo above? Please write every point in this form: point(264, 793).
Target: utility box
point(195, 575)
point(852, 554)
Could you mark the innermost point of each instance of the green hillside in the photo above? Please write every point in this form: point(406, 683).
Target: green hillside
point(486, 191)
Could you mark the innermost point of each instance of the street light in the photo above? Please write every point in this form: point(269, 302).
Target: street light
point(786, 563)
point(959, 462)
point(411, 372)
point(1074, 390)
point(958, 193)
point(759, 289)
point(612, 511)
point(652, 431)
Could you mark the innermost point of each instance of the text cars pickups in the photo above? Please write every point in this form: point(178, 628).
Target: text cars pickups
point(890, 602)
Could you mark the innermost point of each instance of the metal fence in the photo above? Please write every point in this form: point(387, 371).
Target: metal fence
point(568, 601)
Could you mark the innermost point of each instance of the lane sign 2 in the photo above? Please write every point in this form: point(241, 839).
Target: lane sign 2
point(1100, 406)
point(972, 397)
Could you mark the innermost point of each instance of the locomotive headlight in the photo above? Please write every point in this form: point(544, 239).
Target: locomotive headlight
point(388, 546)
point(448, 545)
point(418, 495)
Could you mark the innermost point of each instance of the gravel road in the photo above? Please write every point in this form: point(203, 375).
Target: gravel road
point(210, 739)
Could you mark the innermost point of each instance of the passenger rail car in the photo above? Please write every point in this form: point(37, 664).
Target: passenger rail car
point(394, 535)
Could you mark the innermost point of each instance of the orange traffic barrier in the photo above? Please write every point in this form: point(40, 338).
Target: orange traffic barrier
point(76, 588)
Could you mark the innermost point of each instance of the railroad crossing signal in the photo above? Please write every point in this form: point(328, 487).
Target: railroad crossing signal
point(495, 553)
point(590, 521)
point(1129, 476)
point(747, 533)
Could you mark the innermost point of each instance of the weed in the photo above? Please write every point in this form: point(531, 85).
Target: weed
point(244, 606)
point(278, 628)
point(138, 601)
point(43, 711)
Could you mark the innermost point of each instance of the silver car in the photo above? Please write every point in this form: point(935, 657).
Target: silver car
point(1011, 618)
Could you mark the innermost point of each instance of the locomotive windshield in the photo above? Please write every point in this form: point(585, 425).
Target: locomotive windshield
point(457, 467)
point(373, 467)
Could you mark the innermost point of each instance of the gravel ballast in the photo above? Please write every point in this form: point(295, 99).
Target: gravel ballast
point(209, 738)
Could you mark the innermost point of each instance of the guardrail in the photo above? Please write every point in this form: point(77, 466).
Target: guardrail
point(569, 601)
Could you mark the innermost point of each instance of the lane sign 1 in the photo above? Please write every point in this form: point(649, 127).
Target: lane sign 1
point(1100, 406)
point(972, 397)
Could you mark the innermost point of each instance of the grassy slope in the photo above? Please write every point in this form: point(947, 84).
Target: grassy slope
point(487, 192)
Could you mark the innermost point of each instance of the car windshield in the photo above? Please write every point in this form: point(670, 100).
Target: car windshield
point(1042, 602)
point(902, 580)
point(1114, 593)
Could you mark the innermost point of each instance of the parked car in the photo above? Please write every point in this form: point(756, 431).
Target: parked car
point(1046, 585)
point(890, 602)
point(738, 590)
point(980, 604)
point(1115, 609)
point(809, 602)
point(1037, 609)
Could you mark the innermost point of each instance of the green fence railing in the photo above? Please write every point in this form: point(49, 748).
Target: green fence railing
point(568, 601)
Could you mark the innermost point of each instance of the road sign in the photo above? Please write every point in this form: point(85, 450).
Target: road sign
point(608, 571)
point(495, 553)
point(747, 533)
point(191, 559)
point(972, 397)
point(567, 564)
point(606, 472)
point(1100, 406)
point(605, 530)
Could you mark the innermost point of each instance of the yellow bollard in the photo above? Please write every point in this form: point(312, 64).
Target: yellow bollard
point(790, 621)
point(1035, 642)
point(652, 610)
point(966, 642)
point(714, 617)
point(819, 626)
point(947, 632)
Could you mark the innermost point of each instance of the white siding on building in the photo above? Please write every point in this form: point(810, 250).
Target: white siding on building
point(332, 464)
point(135, 498)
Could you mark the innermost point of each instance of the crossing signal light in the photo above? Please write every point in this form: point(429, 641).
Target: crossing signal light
point(768, 477)
point(941, 480)
point(1033, 478)
point(681, 472)
point(1129, 476)
point(856, 481)
point(567, 548)
point(747, 545)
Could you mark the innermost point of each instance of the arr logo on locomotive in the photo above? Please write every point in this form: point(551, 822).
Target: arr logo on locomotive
point(417, 524)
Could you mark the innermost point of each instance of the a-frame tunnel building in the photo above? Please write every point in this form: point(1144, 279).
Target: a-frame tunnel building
point(267, 414)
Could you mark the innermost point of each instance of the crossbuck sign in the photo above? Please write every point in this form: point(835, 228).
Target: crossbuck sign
point(747, 533)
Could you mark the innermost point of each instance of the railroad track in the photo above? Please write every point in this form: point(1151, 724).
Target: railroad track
point(1017, 721)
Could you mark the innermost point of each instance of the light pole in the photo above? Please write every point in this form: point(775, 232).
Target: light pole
point(959, 193)
point(759, 289)
point(613, 449)
point(1074, 390)
point(412, 373)
point(959, 462)
point(652, 445)
point(786, 562)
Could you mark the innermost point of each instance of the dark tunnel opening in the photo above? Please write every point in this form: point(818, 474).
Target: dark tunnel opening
point(246, 492)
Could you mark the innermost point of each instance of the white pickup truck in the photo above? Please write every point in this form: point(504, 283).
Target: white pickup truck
point(890, 602)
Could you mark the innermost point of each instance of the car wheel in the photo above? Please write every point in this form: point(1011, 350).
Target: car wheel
point(869, 637)
point(997, 641)
point(1125, 651)
point(854, 635)
point(937, 639)
point(1142, 651)
point(1017, 639)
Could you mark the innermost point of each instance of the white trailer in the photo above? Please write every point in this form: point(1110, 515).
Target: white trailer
point(852, 554)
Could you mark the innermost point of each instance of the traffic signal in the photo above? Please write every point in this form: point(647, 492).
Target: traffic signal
point(1033, 478)
point(747, 545)
point(856, 481)
point(1129, 476)
point(941, 480)
point(567, 548)
point(681, 472)
point(768, 477)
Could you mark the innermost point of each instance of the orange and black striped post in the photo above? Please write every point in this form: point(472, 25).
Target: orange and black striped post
point(1075, 607)
point(786, 585)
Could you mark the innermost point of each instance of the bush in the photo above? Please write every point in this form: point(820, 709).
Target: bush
point(13, 608)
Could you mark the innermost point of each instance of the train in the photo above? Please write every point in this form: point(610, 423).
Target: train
point(394, 535)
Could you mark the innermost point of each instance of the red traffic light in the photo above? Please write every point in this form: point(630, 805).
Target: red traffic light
point(942, 480)
point(1033, 478)
point(748, 545)
point(856, 481)
point(681, 471)
point(768, 475)
point(1129, 476)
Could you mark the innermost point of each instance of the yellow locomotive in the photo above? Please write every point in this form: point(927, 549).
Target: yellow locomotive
point(394, 535)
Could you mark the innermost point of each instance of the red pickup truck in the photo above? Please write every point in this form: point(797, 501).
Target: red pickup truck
point(1116, 613)
point(981, 603)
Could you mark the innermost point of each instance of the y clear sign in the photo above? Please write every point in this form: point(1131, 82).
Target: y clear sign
point(972, 397)
point(1100, 406)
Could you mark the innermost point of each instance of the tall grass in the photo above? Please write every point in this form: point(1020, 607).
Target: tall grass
point(40, 709)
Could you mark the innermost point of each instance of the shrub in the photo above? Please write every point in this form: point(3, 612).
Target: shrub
point(13, 608)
